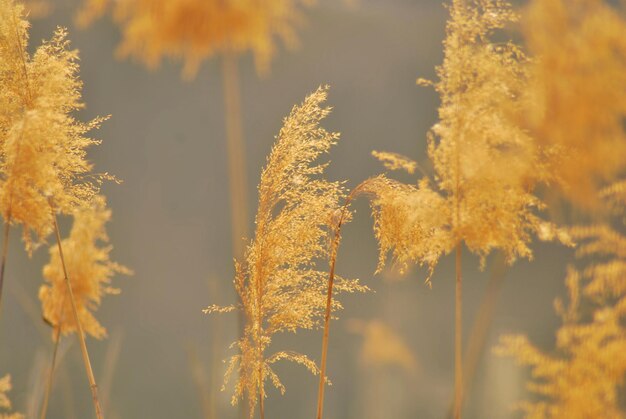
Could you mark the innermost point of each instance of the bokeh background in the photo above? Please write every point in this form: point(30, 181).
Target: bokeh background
point(171, 225)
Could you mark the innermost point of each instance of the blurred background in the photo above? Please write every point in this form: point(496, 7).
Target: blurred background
point(166, 139)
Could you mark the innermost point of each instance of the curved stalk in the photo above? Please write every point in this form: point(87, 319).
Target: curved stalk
point(81, 335)
point(480, 329)
point(237, 173)
point(329, 296)
point(5, 249)
point(261, 402)
point(458, 337)
point(46, 398)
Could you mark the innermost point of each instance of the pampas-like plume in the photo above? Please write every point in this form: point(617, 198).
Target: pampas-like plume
point(577, 105)
point(485, 163)
point(43, 166)
point(279, 283)
point(583, 376)
point(382, 347)
point(90, 268)
point(42, 146)
point(5, 403)
point(195, 30)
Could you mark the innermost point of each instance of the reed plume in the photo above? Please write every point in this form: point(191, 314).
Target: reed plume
point(576, 105)
point(42, 146)
point(486, 165)
point(5, 402)
point(382, 347)
point(279, 282)
point(91, 272)
point(43, 166)
point(579, 69)
point(195, 30)
point(584, 374)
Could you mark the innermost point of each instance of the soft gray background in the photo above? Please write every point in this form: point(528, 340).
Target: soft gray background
point(171, 225)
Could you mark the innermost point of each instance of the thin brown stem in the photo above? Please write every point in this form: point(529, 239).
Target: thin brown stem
point(484, 318)
point(216, 337)
point(205, 392)
point(261, 397)
point(259, 340)
point(458, 303)
point(329, 297)
point(81, 335)
point(46, 397)
point(237, 171)
point(5, 249)
point(480, 329)
point(458, 337)
point(108, 369)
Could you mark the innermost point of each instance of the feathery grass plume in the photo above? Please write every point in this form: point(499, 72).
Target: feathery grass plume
point(91, 272)
point(382, 347)
point(279, 283)
point(485, 164)
point(577, 104)
point(5, 403)
point(195, 30)
point(411, 222)
point(584, 374)
point(42, 146)
point(43, 166)
point(395, 161)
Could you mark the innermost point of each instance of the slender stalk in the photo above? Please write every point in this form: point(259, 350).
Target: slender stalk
point(237, 171)
point(205, 392)
point(260, 354)
point(7, 226)
point(57, 339)
point(216, 337)
point(458, 298)
point(46, 397)
point(458, 337)
point(484, 318)
point(261, 397)
point(81, 335)
point(68, 395)
point(108, 369)
point(5, 249)
point(259, 341)
point(482, 323)
point(329, 297)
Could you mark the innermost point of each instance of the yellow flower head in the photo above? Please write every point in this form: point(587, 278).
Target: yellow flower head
point(89, 268)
